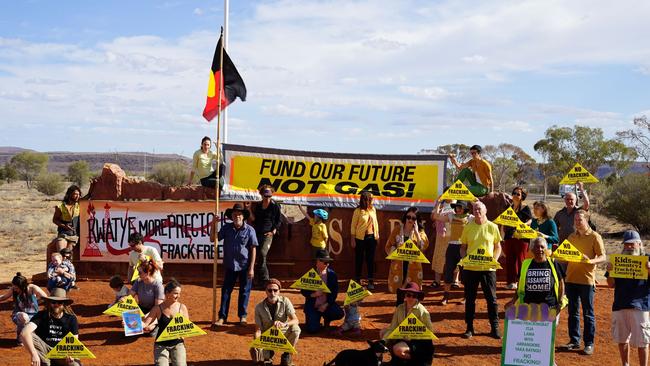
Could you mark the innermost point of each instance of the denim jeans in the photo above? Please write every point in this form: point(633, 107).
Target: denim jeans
point(229, 280)
point(578, 294)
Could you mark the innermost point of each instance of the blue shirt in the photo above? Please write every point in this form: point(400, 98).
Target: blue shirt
point(548, 227)
point(236, 245)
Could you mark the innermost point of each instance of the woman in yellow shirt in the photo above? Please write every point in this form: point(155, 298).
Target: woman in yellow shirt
point(365, 234)
point(402, 272)
point(202, 164)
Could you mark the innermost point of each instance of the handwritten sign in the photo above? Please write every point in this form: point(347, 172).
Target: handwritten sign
point(528, 343)
point(629, 266)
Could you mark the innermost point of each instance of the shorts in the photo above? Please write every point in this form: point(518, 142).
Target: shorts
point(452, 257)
point(631, 326)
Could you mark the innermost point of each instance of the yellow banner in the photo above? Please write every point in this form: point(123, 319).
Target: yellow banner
point(411, 328)
point(127, 303)
point(458, 191)
point(508, 218)
point(479, 261)
point(355, 293)
point(578, 174)
point(311, 281)
point(568, 253)
point(408, 252)
point(180, 327)
point(273, 339)
point(69, 346)
point(629, 266)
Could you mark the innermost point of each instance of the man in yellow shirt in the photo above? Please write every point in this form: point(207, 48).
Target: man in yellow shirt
point(481, 234)
point(580, 281)
point(476, 173)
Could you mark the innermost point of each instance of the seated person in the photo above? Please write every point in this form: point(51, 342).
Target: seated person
point(119, 288)
point(58, 274)
point(147, 290)
point(25, 297)
point(319, 304)
point(476, 173)
point(275, 310)
point(202, 165)
point(66, 253)
point(410, 352)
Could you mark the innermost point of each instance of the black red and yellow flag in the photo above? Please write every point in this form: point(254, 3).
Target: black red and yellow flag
point(232, 84)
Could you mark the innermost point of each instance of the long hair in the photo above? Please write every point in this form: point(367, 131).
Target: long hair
point(70, 191)
point(149, 267)
point(413, 210)
point(21, 282)
point(172, 285)
point(544, 208)
point(365, 200)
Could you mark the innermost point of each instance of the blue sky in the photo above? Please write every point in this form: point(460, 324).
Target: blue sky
point(348, 76)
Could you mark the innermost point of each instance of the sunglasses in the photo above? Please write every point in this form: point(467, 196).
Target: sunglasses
point(516, 194)
point(56, 302)
point(408, 294)
point(413, 218)
point(272, 290)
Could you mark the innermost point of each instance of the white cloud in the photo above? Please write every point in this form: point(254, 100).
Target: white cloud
point(431, 93)
point(198, 11)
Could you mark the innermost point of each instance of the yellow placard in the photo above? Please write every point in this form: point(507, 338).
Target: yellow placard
point(629, 266)
point(273, 340)
point(524, 231)
point(479, 261)
point(411, 328)
point(568, 253)
point(69, 346)
point(408, 252)
point(136, 273)
point(125, 304)
point(311, 281)
point(355, 293)
point(179, 327)
point(578, 174)
point(508, 218)
point(458, 191)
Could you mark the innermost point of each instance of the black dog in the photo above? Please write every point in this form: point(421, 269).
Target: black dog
point(368, 357)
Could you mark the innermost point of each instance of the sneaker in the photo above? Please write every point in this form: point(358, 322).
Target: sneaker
point(468, 334)
point(455, 285)
point(589, 350)
point(286, 360)
point(511, 286)
point(435, 284)
point(571, 346)
point(462, 302)
point(243, 321)
point(220, 322)
point(495, 333)
point(371, 285)
point(445, 299)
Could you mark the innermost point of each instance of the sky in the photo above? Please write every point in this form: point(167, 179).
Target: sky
point(341, 76)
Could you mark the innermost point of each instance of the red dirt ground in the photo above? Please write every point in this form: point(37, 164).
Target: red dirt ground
point(229, 345)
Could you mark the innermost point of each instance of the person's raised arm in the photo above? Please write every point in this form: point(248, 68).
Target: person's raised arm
point(585, 196)
point(452, 158)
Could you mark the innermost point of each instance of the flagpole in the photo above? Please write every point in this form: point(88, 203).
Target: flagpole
point(226, 11)
point(217, 214)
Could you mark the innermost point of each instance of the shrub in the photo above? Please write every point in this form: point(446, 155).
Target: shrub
point(50, 183)
point(29, 164)
point(79, 172)
point(629, 201)
point(173, 173)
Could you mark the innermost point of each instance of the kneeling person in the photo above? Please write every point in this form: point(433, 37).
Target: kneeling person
point(275, 310)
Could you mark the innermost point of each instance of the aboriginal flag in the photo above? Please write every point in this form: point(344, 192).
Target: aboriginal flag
point(233, 85)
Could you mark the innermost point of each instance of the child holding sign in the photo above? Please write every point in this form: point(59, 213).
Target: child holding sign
point(171, 352)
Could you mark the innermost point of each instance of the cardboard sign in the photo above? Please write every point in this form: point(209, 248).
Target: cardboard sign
point(132, 323)
point(531, 312)
point(568, 253)
point(179, 327)
point(408, 252)
point(355, 293)
point(629, 266)
point(273, 340)
point(578, 174)
point(508, 218)
point(524, 231)
point(528, 343)
point(69, 346)
point(125, 304)
point(411, 328)
point(479, 261)
point(311, 281)
point(136, 273)
point(458, 191)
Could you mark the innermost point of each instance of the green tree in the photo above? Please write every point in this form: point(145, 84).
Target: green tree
point(173, 173)
point(629, 201)
point(79, 172)
point(511, 165)
point(462, 154)
point(9, 173)
point(639, 137)
point(49, 183)
point(29, 164)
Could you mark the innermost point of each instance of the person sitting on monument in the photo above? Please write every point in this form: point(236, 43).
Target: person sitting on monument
point(170, 352)
point(202, 165)
point(475, 173)
point(66, 214)
point(409, 351)
point(319, 304)
point(275, 310)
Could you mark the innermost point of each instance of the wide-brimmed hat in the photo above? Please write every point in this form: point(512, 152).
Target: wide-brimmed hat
point(631, 236)
point(59, 294)
point(462, 204)
point(237, 207)
point(323, 256)
point(413, 288)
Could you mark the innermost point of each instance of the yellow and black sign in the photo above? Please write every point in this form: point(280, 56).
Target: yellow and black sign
point(524, 231)
point(411, 328)
point(311, 281)
point(479, 260)
point(458, 191)
point(273, 340)
point(125, 304)
point(508, 218)
point(355, 293)
point(629, 266)
point(408, 252)
point(69, 346)
point(179, 327)
point(568, 253)
point(578, 174)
